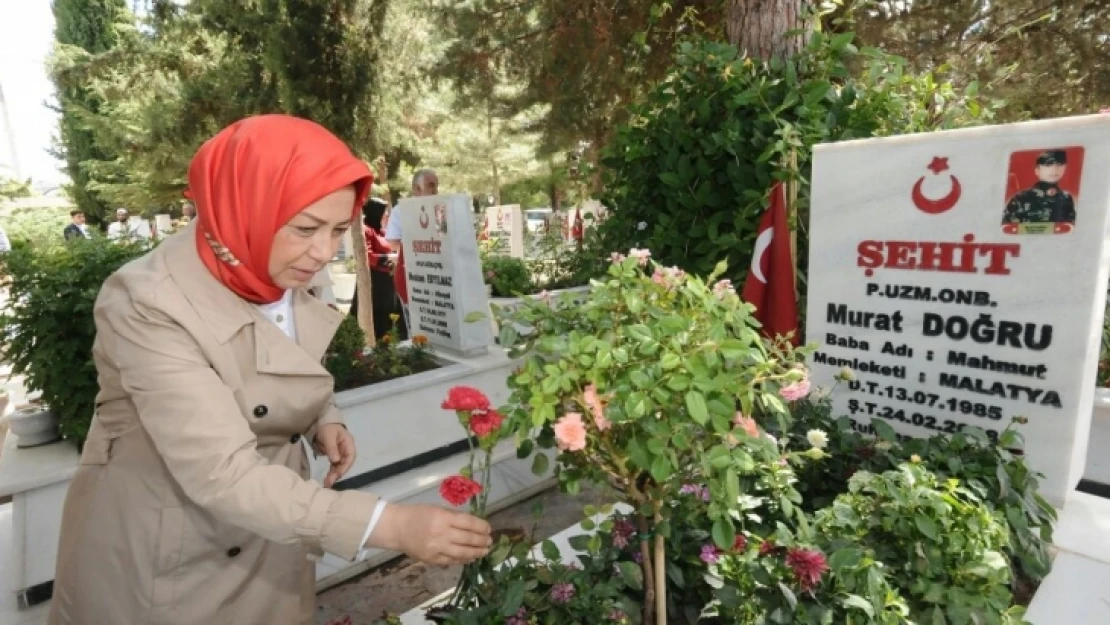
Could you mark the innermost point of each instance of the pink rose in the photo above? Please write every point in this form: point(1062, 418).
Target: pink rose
point(570, 432)
point(748, 424)
point(796, 390)
point(597, 407)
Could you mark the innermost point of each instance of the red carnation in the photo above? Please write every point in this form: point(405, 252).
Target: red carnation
point(808, 567)
point(483, 422)
point(465, 398)
point(740, 543)
point(457, 490)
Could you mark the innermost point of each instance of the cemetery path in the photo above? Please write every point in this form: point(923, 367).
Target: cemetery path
point(400, 585)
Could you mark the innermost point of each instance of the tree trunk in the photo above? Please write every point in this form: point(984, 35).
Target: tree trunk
point(493, 156)
point(766, 29)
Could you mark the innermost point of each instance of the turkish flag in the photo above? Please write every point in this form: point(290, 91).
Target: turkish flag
point(770, 283)
point(400, 283)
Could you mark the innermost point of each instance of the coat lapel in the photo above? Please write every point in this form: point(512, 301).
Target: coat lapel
point(225, 313)
point(316, 323)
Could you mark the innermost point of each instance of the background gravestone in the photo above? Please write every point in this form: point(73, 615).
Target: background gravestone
point(963, 275)
point(444, 273)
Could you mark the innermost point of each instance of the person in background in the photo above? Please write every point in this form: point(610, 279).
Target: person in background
point(381, 259)
point(192, 502)
point(122, 228)
point(76, 229)
point(188, 212)
point(425, 183)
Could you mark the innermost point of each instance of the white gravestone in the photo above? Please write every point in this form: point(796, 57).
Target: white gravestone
point(444, 273)
point(507, 223)
point(962, 275)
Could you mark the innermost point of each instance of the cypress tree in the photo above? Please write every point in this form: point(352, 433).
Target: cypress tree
point(91, 26)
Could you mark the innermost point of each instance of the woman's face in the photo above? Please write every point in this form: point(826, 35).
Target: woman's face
point(310, 240)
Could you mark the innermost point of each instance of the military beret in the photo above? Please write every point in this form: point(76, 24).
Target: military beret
point(1053, 157)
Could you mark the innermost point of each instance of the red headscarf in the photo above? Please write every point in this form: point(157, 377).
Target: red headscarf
point(252, 178)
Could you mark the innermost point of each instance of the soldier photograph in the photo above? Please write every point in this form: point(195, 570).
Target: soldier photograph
point(1045, 202)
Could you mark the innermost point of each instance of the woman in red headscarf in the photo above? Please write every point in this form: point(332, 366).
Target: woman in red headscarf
point(192, 504)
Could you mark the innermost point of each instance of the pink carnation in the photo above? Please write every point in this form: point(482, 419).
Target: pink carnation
point(570, 432)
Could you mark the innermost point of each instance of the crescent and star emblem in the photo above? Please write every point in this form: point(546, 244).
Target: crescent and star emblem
point(935, 207)
point(423, 218)
point(762, 244)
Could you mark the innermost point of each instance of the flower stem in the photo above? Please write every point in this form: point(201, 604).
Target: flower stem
point(660, 575)
point(645, 564)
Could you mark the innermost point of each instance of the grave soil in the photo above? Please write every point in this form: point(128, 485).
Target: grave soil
point(399, 585)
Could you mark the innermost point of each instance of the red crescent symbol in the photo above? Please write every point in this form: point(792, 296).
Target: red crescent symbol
point(1009, 228)
point(1062, 228)
point(934, 207)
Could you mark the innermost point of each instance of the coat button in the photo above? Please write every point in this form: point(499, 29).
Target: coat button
point(261, 411)
point(234, 551)
point(294, 438)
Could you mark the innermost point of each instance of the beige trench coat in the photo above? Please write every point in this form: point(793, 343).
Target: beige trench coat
point(192, 504)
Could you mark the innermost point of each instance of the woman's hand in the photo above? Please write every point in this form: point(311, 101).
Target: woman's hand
point(334, 441)
point(432, 534)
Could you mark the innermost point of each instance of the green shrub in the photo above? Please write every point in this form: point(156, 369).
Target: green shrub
point(47, 327)
point(40, 225)
point(353, 364)
point(996, 472)
point(507, 276)
point(696, 161)
point(344, 354)
point(942, 546)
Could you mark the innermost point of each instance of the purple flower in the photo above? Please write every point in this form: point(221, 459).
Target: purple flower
point(520, 618)
point(622, 533)
point(710, 554)
point(562, 593)
point(696, 490)
point(638, 557)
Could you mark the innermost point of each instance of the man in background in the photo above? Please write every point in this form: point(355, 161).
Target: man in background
point(76, 229)
point(120, 228)
point(424, 183)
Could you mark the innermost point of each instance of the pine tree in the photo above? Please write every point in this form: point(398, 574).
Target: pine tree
point(89, 25)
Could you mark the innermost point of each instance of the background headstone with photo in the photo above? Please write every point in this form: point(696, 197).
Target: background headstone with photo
point(950, 312)
point(507, 224)
point(447, 296)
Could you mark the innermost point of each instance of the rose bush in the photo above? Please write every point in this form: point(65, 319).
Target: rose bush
point(659, 380)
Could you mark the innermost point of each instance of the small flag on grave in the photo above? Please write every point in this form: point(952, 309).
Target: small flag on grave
point(578, 229)
point(770, 283)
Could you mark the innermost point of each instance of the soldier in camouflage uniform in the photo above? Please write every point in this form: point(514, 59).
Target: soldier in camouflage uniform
point(1045, 201)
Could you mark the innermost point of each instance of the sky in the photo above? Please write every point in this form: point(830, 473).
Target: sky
point(26, 36)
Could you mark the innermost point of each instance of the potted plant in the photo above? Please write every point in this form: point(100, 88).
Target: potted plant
point(47, 328)
point(34, 425)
